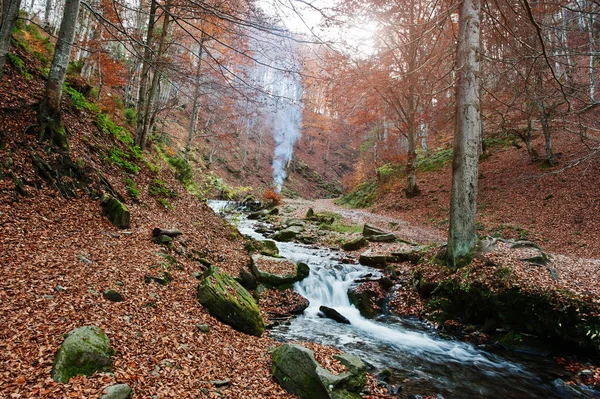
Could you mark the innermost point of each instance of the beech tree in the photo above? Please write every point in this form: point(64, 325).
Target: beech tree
point(462, 236)
point(49, 116)
point(9, 12)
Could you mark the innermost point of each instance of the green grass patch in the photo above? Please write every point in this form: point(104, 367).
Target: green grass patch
point(160, 189)
point(19, 64)
point(131, 188)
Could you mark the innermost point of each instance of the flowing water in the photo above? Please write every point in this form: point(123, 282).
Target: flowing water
point(422, 362)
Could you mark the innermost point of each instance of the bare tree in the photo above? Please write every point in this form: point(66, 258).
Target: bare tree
point(9, 11)
point(462, 236)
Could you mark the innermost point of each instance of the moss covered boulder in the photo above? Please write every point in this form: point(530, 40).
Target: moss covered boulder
point(226, 300)
point(268, 247)
point(84, 351)
point(115, 211)
point(278, 272)
point(297, 371)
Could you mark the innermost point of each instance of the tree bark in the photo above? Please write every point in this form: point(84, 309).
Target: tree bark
point(9, 12)
point(140, 138)
point(462, 236)
point(194, 116)
point(49, 116)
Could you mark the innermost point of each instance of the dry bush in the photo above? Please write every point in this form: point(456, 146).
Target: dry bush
point(272, 196)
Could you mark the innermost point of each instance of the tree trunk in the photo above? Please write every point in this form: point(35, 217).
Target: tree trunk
point(49, 116)
point(47, 15)
point(9, 12)
point(462, 236)
point(194, 116)
point(140, 139)
point(411, 162)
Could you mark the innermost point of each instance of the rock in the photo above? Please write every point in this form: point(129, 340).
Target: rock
point(355, 244)
point(258, 214)
point(84, 259)
point(408, 254)
point(164, 239)
point(297, 371)
point(367, 299)
point(539, 260)
point(118, 391)
point(268, 247)
point(369, 231)
point(288, 234)
point(164, 280)
point(333, 314)
point(524, 244)
point(247, 280)
point(387, 237)
point(223, 382)
point(369, 258)
point(113, 296)
point(202, 328)
point(273, 212)
point(229, 302)
point(115, 211)
point(84, 351)
point(157, 232)
point(295, 271)
point(309, 213)
point(293, 222)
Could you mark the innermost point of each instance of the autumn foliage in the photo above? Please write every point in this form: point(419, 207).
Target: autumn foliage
point(272, 196)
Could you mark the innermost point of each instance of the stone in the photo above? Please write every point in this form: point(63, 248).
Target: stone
point(296, 271)
point(247, 280)
point(258, 215)
point(309, 213)
point(369, 231)
point(387, 237)
point(158, 231)
point(226, 300)
point(297, 371)
point(409, 253)
point(288, 234)
point(355, 244)
point(84, 351)
point(202, 328)
point(164, 239)
point(333, 314)
point(370, 258)
point(293, 222)
point(367, 299)
point(273, 212)
point(268, 247)
point(115, 211)
point(164, 280)
point(118, 391)
point(113, 296)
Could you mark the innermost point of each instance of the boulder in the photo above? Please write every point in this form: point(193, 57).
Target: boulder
point(370, 258)
point(84, 351)
point(226, 300)
point(369, 231)
point(268, 247)
point(409, 253)
point(288, 234)
point(115, 211)
point(113, 296)
point(333, 314)
point(355, 244)
point(278, 271)
point(258, 214)
point(247, 280)
point(367, 298)
point(309, 213)
point(297, 371)
point(293, 222)
point(387, 237)
point(118, 391)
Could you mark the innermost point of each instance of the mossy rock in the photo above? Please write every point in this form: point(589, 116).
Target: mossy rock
point(297, 371)
point(226, 300)
point(115, 211)
point(355, 244)
point(85, 350)
point(268, 247)
point(288, 234)
point(368, 301)
point(296, 271)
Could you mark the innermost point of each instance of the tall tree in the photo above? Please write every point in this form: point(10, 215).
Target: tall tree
point(462, 236)
point(9, 11)
point(49, 116)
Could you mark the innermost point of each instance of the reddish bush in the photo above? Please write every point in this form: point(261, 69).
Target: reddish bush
point(271, 195)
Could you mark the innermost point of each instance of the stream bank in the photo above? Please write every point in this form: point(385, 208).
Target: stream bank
point(420, 360)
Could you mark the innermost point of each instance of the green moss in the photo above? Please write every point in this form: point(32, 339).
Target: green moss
point(116, 212)
point(85, 351)
point(229, 302)
point(362, 196)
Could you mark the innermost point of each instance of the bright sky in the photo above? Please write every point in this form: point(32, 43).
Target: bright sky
point(310, 18)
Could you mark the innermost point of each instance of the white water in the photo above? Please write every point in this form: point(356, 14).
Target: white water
point(453, 368)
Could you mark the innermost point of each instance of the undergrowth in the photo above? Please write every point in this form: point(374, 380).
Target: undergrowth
point(362, 196)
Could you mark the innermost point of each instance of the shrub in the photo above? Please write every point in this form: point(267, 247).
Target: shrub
point(159, 188)
point(271, 195)
point(75, 67)
point(121, 159)
point(435, 161)
point(130, 116)
point(131, 188)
